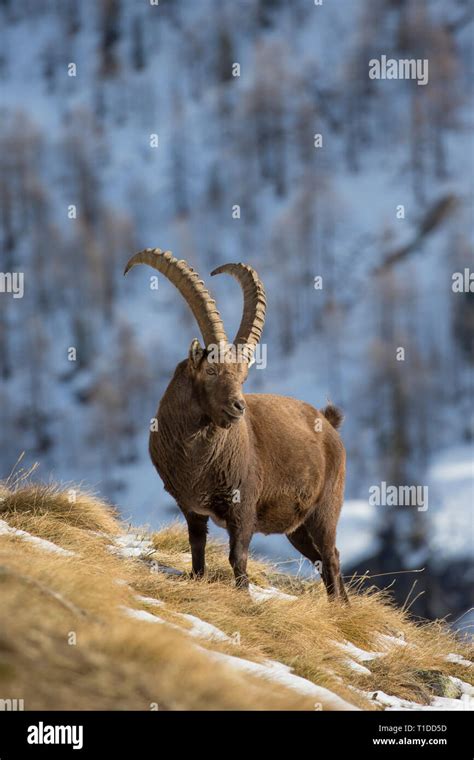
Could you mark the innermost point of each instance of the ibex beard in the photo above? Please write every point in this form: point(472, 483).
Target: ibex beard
point(253, 463)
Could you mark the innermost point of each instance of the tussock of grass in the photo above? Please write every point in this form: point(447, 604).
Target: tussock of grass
point(121, 663)
point(74, 507)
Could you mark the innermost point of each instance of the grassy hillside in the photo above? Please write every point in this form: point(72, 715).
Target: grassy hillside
point(99, 616)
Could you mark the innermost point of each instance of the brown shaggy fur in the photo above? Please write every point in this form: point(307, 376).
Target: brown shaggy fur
point(253, 463)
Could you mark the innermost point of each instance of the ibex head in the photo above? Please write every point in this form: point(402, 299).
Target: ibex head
point(217, 369)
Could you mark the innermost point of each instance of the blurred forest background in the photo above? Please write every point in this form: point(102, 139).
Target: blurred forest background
point(83, 136)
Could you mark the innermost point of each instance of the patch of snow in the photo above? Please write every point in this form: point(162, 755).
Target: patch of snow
point(41, 543)
point(260, 594)
point(277, 672)
point(199, 628)
point(137, 546)
point(362, 655)
point(445, 703)
point(150, 600)
point(465, 688)
point(389, 702)
point(132, 545)
point(128, 552)
point(359, 654)
point(357, 667)
point(143, 615)
point(204, 630)
point(452, 657)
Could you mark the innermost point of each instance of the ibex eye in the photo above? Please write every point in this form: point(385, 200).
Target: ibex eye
point(211, 371)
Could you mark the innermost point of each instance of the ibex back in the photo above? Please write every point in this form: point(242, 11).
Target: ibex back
point(252, 462)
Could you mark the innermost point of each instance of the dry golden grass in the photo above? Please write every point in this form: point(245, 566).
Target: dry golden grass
point(121, 663)
point(72, 506)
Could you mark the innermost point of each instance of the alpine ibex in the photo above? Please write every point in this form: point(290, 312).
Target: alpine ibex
point(254, 462)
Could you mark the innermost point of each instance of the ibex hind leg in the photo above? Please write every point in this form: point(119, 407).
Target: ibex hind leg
point(302, 541)
point(324, 539)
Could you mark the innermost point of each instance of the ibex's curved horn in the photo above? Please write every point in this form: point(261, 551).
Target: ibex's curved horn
point(255, 304)
point(191, 287)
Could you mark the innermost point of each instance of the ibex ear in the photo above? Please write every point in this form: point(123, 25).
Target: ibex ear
point(196, 352)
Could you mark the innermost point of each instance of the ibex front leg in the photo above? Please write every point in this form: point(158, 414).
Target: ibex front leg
point(240, 535)
point(197, 530)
